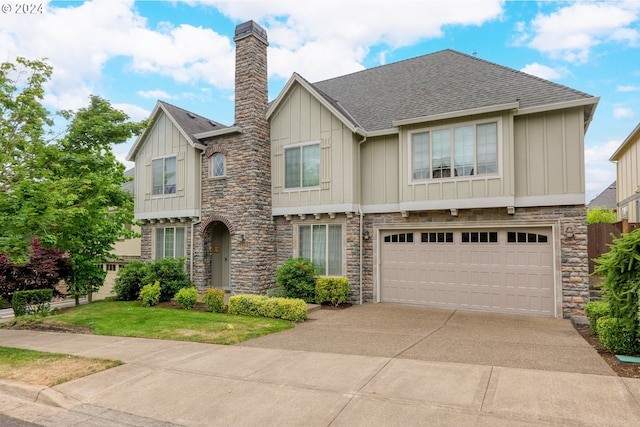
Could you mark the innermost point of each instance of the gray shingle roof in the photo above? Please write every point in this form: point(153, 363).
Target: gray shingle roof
point(190, 122)
point(606, 199)
point(129, 186)
point(436, 83)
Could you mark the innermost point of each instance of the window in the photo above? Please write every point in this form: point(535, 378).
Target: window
point(164, 176)
point(302, 166)
point(399, 238)
point(480, 237)
point(437, 237)
point(624, 212)
point(169, 242)
point(520, 237)
point(322, 244)
point(458, 151)
point(217, 165)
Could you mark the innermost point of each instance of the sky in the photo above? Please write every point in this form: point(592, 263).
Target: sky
point(133, 53)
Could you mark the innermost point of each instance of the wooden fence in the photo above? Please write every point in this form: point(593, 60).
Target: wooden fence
point(599, 236)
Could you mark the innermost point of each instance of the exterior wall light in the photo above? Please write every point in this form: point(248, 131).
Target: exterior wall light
point(366, 235)
point(568, 232)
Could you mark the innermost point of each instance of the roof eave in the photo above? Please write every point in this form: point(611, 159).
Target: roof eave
point(296, 78)
point(558, 106)
point(616, 155)
point(218, 132)
point(460, 113)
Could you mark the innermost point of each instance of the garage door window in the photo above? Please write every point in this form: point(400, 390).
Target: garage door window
point(399, 238)
point(440, 237)
point(520, 237)
point(480, 237)
point(322, 244)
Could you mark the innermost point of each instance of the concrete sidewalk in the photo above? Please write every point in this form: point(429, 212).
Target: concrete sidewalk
point(189, 384)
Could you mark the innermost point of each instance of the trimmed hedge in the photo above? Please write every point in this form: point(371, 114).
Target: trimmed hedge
point(262, 306)
point(332, 289)
point(214, 300)
point(595, 310)
point(31, 302)
point(150, 294)
point(297, 276)
point(617, 335)
point(187, 297)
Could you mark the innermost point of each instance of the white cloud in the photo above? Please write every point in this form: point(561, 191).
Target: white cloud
point(541, 71)
point(622, 113)
point(571, 32)
point(154, 94)
point(600, 172)
point(134, 112)
point(627, 88)
point(328, 38)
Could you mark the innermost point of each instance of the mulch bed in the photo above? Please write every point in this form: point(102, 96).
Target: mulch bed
point(627, 370)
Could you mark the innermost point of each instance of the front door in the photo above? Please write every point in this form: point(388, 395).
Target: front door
point(220, 256)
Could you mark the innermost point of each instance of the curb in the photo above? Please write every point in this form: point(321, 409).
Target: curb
point(37, 394)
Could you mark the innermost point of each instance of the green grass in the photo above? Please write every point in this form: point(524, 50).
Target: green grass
point(48, 369)
point(130, 319)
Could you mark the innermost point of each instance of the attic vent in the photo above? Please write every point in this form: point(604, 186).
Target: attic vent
point(193, 116)
point(213, 123)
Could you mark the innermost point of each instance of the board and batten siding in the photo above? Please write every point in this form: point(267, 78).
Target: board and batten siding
point(549, 154)
point(459, 192)
point(301, 118)
point(379, 164)
point(165, 140)
point(628, 179)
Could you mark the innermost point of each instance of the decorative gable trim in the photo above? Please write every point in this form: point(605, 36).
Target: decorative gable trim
point(296, 78)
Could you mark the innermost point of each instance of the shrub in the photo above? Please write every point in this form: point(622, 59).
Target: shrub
point(44, 269)
point(170, 273)
point(263, 306)
point(214, 300)
point(150, 294)
point(31, 302)
point(276, 293)
point(187, 297)
point(617, 335)
point(595, 310)
point(600, 214)
point(334, 290)
point(297, 276)
point(129, 281)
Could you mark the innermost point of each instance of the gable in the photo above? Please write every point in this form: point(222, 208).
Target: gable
point(188, 124)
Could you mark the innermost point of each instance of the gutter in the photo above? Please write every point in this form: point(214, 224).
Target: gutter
point(195, 223)
point(364, 138)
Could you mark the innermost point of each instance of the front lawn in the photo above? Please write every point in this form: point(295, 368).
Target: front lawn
point(48, 369)
point(130, 319)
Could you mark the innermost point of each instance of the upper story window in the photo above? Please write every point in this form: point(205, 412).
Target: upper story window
point(302, 166)
point(455, 151)
point(218, 165)
point(164, 176)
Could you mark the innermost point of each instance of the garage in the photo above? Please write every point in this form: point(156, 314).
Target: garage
point(507, 270)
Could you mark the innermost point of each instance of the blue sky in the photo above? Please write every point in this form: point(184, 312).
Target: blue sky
point(136, 52)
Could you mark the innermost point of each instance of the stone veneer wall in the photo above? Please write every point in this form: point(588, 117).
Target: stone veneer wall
point(242, 199)
point(573, 256)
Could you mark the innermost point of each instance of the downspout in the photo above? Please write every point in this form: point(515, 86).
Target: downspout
point(364, 138)
point(196, 222)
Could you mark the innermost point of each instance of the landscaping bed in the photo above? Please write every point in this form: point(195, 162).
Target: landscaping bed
point(627, 370)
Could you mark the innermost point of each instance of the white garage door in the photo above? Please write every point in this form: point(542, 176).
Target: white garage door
point(500, 270)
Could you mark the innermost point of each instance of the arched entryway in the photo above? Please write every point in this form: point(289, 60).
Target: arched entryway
point(220, 252)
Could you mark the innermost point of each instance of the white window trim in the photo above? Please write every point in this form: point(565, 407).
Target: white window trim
point(499, 145)
point(296, 241)
point(163, 195)
point(154, 254)
point(211, 166)
point(284, 167)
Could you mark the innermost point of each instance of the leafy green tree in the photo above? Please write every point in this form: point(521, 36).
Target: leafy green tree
point(67, 190)
point(599, 214)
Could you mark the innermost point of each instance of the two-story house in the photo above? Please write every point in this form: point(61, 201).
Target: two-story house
point(443, 180)
point(627, 159)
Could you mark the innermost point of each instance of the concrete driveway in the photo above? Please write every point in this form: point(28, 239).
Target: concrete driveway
point(439, 335)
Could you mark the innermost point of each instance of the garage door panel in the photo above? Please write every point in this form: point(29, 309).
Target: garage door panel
point(497, 275)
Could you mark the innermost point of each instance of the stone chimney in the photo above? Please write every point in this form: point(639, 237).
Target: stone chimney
point(251, 75)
